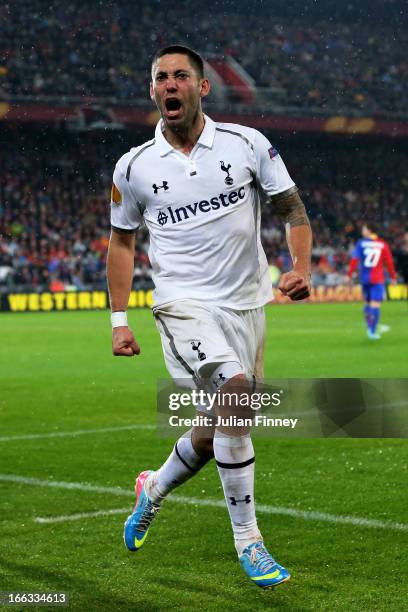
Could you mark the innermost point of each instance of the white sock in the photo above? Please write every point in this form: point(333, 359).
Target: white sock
point(182, 463)
point(236, 466)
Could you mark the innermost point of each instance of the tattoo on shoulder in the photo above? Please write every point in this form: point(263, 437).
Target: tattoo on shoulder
point(290, 208)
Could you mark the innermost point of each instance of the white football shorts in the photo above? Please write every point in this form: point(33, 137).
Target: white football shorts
point(196, 339)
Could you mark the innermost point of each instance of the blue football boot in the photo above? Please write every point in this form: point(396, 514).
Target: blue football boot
point(138, 523)
point(261, 568)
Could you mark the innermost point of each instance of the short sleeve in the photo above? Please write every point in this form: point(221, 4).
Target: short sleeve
point(125, 212)
point(271, 172)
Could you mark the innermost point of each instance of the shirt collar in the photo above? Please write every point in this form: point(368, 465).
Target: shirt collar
point(206, 138)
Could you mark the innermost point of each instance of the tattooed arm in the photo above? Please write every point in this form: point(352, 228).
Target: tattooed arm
point(290, 208)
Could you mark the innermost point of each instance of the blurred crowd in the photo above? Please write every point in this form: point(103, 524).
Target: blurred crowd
point(103, 49)
point(54, 216)
point(55, 193)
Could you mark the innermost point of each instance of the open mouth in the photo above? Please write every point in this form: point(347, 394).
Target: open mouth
point(173, 106)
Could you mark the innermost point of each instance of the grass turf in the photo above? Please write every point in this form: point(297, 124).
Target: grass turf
point(57, 374)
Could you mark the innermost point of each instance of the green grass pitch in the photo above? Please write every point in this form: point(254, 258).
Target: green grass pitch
point(57, 375)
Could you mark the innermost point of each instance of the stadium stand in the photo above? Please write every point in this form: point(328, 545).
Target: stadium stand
point(294, 60)
point(55, 186)
point(85, 49)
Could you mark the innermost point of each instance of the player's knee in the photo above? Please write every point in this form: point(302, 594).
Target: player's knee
point(235, 387)
point(236, 403)
point(236, 384)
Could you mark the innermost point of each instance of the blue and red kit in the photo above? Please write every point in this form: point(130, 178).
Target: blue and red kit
point(370, 255)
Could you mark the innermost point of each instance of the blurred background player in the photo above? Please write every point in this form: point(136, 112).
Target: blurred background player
point(370, 254)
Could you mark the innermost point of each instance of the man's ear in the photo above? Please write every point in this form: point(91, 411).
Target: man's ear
point(205, 88)
point(151, 91)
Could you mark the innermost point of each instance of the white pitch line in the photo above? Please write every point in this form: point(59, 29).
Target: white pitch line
point(79, 432)
point(307, 515)
point(79, 516)
point(58, 484)
point(84, 432)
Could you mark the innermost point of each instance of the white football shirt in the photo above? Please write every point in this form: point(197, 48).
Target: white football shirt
point(202, 212)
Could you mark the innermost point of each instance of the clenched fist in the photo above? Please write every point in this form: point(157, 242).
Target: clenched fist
point(295, 285)
point(124, 343)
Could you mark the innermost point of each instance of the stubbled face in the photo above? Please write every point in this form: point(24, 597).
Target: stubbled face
point(177, 90)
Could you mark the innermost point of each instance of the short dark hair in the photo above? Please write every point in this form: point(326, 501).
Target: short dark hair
point(195, 58)
point(372, 226)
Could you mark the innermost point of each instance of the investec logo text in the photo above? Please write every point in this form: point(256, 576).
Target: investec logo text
point(205, 206)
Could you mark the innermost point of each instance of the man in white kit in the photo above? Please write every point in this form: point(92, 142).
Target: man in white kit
point(197, 186)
